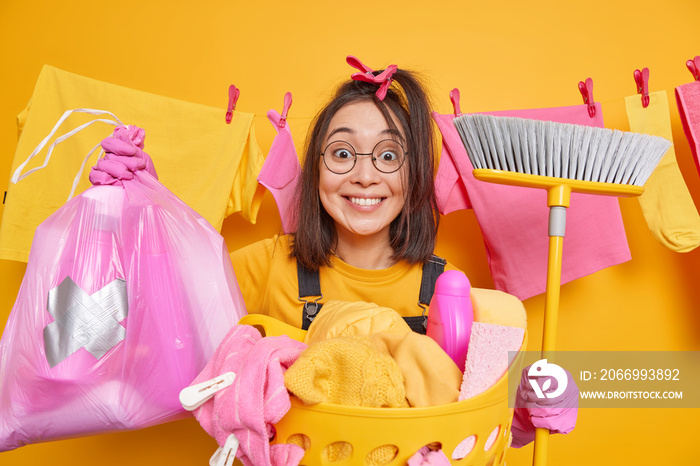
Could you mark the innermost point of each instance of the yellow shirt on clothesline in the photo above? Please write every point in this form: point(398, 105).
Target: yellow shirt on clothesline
point(208, 164)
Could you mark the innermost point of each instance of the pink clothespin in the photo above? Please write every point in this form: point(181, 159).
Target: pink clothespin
point(694, 67)
point(285, 109)
point(233, 94)
point(642, 80)
point(454, 97)
point(586, 89)
point(383, 79)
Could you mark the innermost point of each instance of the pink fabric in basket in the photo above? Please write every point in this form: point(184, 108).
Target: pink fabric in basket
point(427, 457)
point(257, 399)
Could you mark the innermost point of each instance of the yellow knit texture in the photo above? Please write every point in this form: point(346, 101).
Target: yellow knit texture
point(347, 370)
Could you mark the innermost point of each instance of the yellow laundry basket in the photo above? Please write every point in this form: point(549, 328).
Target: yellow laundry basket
point(480, 425)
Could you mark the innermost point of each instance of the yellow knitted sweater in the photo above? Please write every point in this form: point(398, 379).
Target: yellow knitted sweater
point(347, 370)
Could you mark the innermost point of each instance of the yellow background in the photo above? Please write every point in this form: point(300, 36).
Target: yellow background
point(501, 55)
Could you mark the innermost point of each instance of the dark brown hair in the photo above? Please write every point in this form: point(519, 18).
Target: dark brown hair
point(412, 233)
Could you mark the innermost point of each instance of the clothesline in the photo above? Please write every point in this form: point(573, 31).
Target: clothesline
point(641, 78)
point(602, 102)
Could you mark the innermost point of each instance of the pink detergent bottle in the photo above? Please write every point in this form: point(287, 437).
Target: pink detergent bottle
point(450, 315)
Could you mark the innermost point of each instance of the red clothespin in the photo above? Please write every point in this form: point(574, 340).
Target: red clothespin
point(642, 80)
point(694, 67)
point(285, 109)
point(454, 97)
point(233, 94)
point(586, 89)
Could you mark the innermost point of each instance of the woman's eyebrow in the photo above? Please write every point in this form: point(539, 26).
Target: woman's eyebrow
point(341, 129)
point(393, 132)
point(386, 132)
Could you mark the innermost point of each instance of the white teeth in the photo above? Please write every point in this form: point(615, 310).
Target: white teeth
point(365, 201)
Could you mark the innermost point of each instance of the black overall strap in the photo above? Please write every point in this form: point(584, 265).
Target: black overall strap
point(310, 293)
point(431, 271)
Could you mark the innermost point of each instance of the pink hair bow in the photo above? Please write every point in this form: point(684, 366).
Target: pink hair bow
point(383, 79)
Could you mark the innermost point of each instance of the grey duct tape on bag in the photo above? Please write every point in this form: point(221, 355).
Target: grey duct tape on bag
point(83, 320)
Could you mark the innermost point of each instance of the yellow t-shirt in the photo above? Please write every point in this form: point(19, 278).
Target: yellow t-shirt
point(267, 277)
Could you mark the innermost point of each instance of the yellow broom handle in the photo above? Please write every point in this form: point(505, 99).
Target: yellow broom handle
point(558, 198)
point(539, 458)
point(551, 300)
point(549, 334)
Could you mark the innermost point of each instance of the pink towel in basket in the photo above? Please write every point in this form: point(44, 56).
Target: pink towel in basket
point(257, 398)
point(427, 457)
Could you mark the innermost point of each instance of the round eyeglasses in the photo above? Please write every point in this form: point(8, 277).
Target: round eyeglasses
point(340, 157)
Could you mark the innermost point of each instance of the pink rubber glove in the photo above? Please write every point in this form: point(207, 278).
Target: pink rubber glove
point(556, 414)
point(124, 156)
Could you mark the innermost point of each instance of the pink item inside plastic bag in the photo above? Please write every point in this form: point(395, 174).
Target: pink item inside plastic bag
point(127, 294)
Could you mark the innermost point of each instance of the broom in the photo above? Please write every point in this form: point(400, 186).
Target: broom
point(561, 158)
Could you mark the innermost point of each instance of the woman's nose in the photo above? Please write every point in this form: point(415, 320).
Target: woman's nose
point(364, 171)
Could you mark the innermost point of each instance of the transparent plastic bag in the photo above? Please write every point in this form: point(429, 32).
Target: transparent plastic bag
point(127, 294)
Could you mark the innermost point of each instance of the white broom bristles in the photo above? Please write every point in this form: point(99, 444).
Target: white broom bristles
point(561, 150)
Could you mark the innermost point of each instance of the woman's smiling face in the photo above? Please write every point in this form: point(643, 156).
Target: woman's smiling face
point(364, 201)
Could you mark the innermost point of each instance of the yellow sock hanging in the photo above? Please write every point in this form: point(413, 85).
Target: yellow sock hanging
point(666, 203)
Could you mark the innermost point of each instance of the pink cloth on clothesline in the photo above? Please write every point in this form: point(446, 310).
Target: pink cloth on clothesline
point(256, 400)
point(281, 172)
point(514, 220)
point(688, 101)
